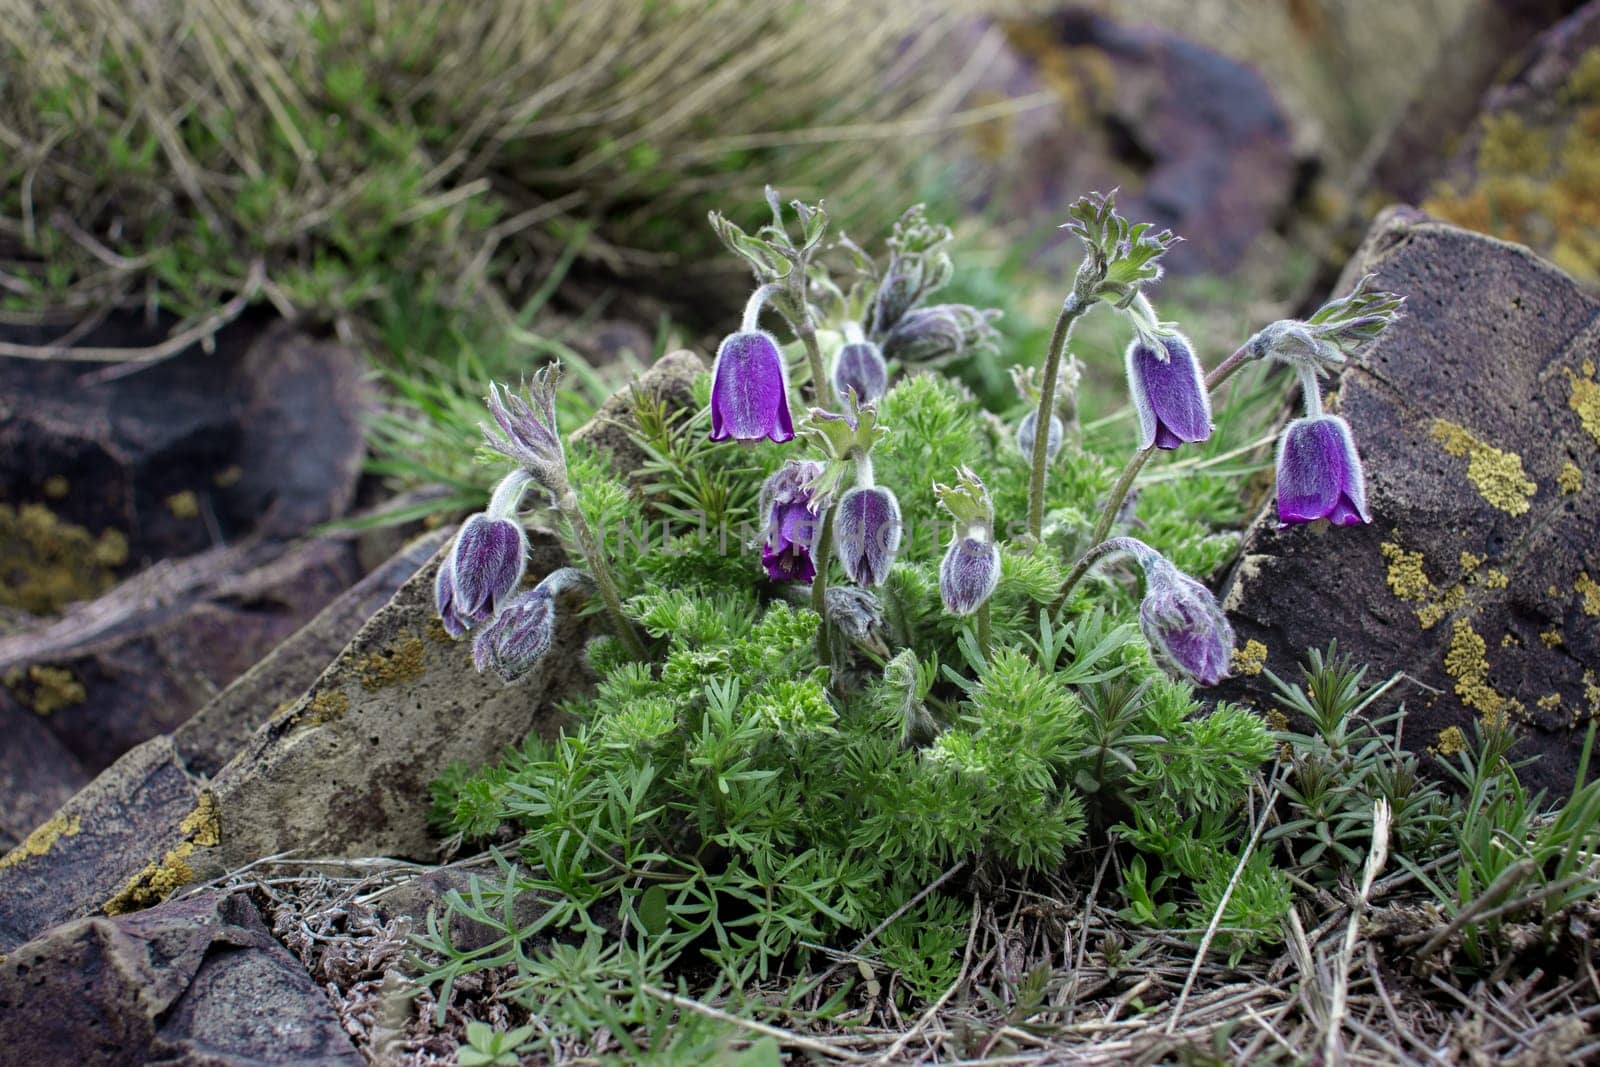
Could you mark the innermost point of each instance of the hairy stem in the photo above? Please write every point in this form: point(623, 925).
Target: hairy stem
point(983, 629)
point(819, 586)
point(589, 545)
point(1072, 309)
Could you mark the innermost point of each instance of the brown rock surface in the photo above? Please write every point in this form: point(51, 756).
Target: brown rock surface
point(1478, 418)
point(196, 981)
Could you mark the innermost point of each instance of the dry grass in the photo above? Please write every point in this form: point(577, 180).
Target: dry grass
point(367, 154)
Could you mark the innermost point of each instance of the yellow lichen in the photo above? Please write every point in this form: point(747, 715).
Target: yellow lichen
point(202, 826)
point(56, 487)
point(1570, 479)
point(45, 689)
point(1276, 720)
point(328, 705)
point(227, 476)
point(1589, 589)
point(42, 840)
point(1497, 475)
point(1583, 84)
point(154, 883)
point(1552, 638)
point(1549, 702)
point(1250, 660)
point(1471, 561)
point(50, 563)
point(184, 505)
point(407, 662)
point(1583, 397)
point(1451, 742)
point(1510, 641)
point(1406, 577)
point(1465, 661)
point(1495, 579)
point(1510, 147)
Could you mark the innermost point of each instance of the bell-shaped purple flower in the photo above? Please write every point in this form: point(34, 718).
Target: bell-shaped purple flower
point(519, 636)
point(866, 531)
point(484, 569)
point(444, 594)
point(1319, 474)
point(789, 508)
point(861, 367)
point(1169, 392)
point(1184, 624)
point(969, 573)
point(750, 389)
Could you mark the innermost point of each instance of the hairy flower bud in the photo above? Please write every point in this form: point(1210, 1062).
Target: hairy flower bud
point(1184, 624)
point(939, 333)
point(520, 636)
point(1319, 474)
point(1169, 392)
point(969, 574)
point(861, 367)
point(1025, 431)
point(855, 611)
point(750, 389)
point(789, 507)
point(484, 568)
point(867, 533)
point(528, 434)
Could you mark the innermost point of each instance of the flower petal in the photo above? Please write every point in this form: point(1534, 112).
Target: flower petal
point(750, 390)
point(1169, 393)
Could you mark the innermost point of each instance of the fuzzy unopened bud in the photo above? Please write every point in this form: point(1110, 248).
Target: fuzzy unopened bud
point(1184, 624)
point(482, 571)
point(860, 368)
point(867, 533)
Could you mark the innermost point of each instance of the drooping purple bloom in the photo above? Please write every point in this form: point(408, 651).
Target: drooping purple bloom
point(861, 367)
point(867, 533)
point(444, 601)
point(750, 389)
point(790, 510)
point(1319, 474)
point(969, 574)
point(1184, 624)
point(519, 637)
point(1169, 393)
point(1025, 431)
point(485, 568)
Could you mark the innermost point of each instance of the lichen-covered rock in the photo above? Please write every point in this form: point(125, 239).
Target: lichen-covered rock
point(102, 474)
point(195, 981)
point(1529, 168)
point(1196, 141)
point(1478, 418)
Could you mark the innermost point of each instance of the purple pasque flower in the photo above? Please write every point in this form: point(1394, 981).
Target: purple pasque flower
point(750, 389)
point(483, 569)
point(866, 532)
point(521, 634)
point(861, 367)
point(528, 434)
point(1319, 473)
point(789, 506)
point(1185, 626)
point(969, 573)
point(1169, 392)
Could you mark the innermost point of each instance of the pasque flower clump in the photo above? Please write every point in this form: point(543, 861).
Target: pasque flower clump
point(861, 648)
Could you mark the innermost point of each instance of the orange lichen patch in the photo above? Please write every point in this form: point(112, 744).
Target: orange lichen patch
point(1589, 589)
point(1583, 397)
point(1250, 660)
point(1570, 479)
point(1552, 639)
point(1497, 475)
point(1451, 742)
point(1406, 578)
point(1465, 661)
point(42, 840)
point(45, 689)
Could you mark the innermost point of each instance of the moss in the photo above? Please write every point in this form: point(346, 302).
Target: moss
point(1406, 578)
point(328, 705)
point(1451, 742)
point(42, 840)
point(1589, 589)
point(1570, 479)
point(1583, 397)
point(1250, 660)
point(406, 662)
point(184, 505)
point(50, 563)
point(45, 689)
point(1510, 146)
point(1583, 85)
point(1497, 475)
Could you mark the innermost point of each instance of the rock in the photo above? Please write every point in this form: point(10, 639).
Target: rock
point(37, 776)
point(138, 661)
point(195, 981)
point(1197, 142)
point(1478, 418)
point(100, 474)
point(669, 382)
point(1529, 169)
